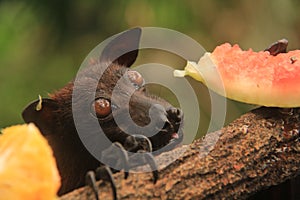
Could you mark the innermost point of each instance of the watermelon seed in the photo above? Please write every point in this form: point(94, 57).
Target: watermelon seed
point(293, 59)
point(278, 47)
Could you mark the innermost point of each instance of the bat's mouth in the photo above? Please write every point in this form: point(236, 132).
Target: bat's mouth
point(171, 135)
point(166, 141)
point(162, 139)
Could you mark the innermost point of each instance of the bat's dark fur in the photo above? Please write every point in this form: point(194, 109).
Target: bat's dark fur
point(55, 119)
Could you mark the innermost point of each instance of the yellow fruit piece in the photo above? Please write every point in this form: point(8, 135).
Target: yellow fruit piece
point(27, 166)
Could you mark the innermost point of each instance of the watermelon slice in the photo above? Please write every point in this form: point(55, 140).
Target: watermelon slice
point(268, 78)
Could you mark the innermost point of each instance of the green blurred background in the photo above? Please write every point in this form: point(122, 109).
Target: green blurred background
point(43, 43)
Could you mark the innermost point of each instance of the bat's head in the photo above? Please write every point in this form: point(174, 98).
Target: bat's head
point(120, 103)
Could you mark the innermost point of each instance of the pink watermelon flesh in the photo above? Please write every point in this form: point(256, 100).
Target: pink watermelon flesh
point(258, 77)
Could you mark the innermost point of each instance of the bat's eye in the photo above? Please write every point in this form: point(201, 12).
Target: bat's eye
point(136, 78)
point(102, 107)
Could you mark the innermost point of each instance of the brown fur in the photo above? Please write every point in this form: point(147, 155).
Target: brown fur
point(56, 122)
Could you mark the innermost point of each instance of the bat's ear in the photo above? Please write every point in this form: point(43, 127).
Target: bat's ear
point(123, 49)
point(42, 113)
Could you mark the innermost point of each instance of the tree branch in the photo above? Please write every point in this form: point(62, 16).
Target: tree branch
point(258, 150)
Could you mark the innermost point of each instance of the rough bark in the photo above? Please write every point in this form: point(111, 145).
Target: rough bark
point(256, 151)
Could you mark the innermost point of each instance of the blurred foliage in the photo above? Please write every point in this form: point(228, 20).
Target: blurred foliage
point(42, 43)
